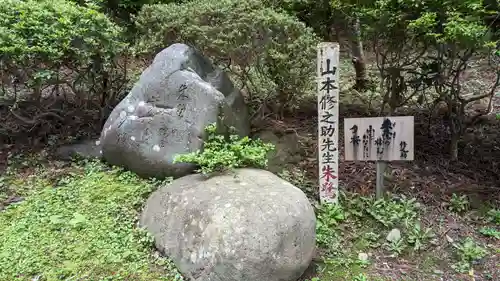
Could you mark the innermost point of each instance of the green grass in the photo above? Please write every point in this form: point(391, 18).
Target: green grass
point(15, 183)
point(358, 225)
point(83, 228)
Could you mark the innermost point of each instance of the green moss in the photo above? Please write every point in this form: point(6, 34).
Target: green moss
point(83, 227)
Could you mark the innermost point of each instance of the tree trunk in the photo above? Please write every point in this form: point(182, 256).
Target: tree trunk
point(455, 132)
point(358, 56)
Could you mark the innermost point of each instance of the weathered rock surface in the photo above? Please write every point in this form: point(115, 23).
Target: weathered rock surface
point(166, 112)
point(394, 235)
point(251, 226)
point(286, 153)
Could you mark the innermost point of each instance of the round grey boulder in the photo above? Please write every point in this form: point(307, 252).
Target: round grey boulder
point(247, 226)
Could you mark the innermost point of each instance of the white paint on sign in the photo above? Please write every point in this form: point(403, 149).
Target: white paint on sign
point(328, 119)
point(379, 138)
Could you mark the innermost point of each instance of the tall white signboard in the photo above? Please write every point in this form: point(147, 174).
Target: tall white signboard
point(328, 121)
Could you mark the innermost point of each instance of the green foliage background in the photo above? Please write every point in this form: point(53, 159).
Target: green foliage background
point(38, 38)
point(268, 52)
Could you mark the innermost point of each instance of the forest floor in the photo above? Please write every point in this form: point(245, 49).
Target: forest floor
point(452, 223)
point(455, 221)
point(447, 213)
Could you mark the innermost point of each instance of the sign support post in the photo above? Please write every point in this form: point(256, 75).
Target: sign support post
point(381, 167)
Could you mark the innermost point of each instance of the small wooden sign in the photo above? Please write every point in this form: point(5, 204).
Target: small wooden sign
point(379, 138)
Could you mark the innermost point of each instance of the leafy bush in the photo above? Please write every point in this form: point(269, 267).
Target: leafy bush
point(221, 153)
point(392, 212)
point(494, 216)
point(316, 14)
point(122, 10)
point(468, 252)
point(458, 204)
point(53, 49)
point(419, 236)
point(328, 217)
point(84, 228)
point(422, 50)
point(45, 34)
point(271, 54)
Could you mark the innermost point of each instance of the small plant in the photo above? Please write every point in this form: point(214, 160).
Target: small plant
point(396, 247)
point(360, 277)
point(391, 212)
point(468, 252)
point(490, 232)
point(221, 153)
point(418, 237)
point(494, 216)
point(363, 263)
point(372, 239)
point(328, 217)
point(458, 204)
point(340, 259)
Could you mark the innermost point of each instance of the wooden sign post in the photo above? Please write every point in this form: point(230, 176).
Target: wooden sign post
point(380, 139)
point(496, 105)
point(328, 119)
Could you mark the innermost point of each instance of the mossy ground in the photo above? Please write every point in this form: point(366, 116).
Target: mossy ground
point(435, 244)
point(79, 220)
point(75, 223)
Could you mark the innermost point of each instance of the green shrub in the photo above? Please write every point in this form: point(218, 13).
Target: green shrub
point(458, 204)
point(56, 46)
point(468, 252)
point(55, 33)
point(121, 10)
point(494, 216)
point(221, 153)
point(270, 54)
point(315, 14)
